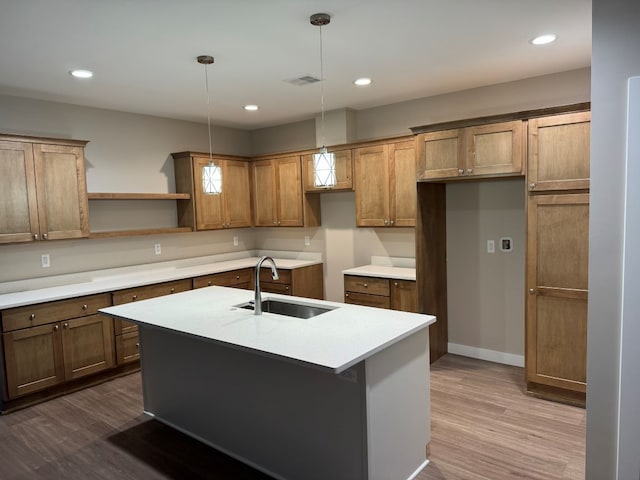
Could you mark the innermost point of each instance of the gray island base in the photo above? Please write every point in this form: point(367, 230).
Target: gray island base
point(299, 399)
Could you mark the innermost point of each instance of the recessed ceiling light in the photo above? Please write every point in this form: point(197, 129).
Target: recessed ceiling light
point(361, 82)
point(81, 73)
point(251, 108)
point(544, 39)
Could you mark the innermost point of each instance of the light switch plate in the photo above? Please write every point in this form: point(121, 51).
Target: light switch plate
point(158, 248)
point(491, 246)
point(46, 262)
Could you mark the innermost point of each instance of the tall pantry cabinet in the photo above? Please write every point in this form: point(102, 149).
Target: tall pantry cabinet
point(557, 256)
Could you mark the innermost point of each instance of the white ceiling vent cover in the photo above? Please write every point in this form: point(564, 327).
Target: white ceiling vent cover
point(303, 80)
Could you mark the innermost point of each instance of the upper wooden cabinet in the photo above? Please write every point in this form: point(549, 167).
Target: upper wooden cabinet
point(385, 184)
point(43, 189)
point(202, 211)
point(495, 149)
point(344, 172)
point(559, 152)
point(278, 199)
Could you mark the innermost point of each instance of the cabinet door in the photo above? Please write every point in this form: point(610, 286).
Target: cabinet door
point(33, 359)
point(235, 192)
point(557, 267)
point(403, 192)
point(344, 172)
point(62, 191)
point(127, 348)
point(87, 345)
point(18, 200)
point(209, 208)
point(404, 295)
point(441, 154)
point(559, 152)
point(289, 192)
point(264, 194)
point(495, 149)
point(372, 186)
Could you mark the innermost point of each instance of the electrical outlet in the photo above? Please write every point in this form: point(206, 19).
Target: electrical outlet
point(506, 244)
point(46, 262)
point(158, 248)
point(491, 246)
point(235, 241)
point(307, 241)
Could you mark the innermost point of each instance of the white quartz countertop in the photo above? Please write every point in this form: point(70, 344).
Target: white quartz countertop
point(118, 279)
point(398, 273)
point(334, 340)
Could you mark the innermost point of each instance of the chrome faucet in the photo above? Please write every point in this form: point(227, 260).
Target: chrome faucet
point(257, 303)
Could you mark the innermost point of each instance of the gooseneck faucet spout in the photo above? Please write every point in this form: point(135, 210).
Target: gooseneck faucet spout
point(257, 304)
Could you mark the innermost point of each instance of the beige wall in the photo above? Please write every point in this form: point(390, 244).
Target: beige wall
point(292, 136)
point(486, 291)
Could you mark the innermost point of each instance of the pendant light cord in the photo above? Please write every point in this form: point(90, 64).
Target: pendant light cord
point(206, 79)
point(321, 88)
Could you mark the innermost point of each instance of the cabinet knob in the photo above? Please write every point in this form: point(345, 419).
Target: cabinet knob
point(365, 285)
point(84, 307)
point(287, 287)
point(172, 290)
point(32, 316)
point(346, 294)
point(36, 236)
point(66, 325)
point(532, 291)
point(237, 277)
point(275, 223)
point(209, 283)
point(469, 170)
point(386, 222)
point(532, 186)
point(45, 236)
point(133, 297)
point(137, 345)
point(56, 328)
point(395, 284)
point(461, 171)
point(391, 222)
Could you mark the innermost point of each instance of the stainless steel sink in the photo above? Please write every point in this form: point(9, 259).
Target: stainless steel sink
point(287, 308)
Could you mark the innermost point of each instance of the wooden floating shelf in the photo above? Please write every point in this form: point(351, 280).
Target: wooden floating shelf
point(138, 196)
point(132, 233)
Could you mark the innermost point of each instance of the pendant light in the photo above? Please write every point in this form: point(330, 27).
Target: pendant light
point(211, 173)
point(324, 163)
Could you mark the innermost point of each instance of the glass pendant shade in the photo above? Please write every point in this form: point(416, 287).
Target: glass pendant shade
point(324, 169)
point(212, 179)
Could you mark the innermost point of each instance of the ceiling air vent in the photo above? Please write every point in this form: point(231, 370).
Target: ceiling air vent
point(303, 80)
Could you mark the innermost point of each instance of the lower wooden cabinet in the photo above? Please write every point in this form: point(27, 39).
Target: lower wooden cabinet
point(127, 347)
point(302, 282)
point(242, 278)
point(381, 292)
point(557, 283)
point(60, 346)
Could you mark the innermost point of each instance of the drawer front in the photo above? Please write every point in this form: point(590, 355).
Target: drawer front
point(272, 287)
point(122, 326)
point(224, 279)
point(150, 291)
point(127, 348)
point(284, 276)
point(370, 285)
point(378, 301)
point(43, 313)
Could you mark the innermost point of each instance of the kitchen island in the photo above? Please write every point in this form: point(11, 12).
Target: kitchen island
point(342, 395)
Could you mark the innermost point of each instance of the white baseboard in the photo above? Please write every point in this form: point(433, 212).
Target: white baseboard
point(485, 354)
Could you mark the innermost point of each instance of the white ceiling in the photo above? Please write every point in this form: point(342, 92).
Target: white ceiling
point(143, 52)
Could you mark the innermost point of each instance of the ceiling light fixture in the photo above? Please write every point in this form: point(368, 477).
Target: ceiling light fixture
point(81, 73)
point(544, 39)
point(251, 108)
point(211, 173)
point(362, 82)
point(324, 163)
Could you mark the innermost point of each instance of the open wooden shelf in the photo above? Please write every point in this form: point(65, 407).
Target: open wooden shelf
point(133, 233)
point(138, 196)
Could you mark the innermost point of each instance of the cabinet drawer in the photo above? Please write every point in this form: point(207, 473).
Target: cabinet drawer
point(127, 348)
point(284, 276)
point(379, 301)
point(273, 287)
point(42, 313)
point(224, 279)
point(150, 291)
point(370, 285)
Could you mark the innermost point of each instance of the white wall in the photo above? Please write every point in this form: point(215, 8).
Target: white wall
point(612, 451)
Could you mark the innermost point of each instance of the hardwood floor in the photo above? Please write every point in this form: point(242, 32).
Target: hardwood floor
point(483, 425)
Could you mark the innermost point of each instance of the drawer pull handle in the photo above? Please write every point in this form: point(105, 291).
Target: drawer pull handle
point(85, 306)
point(32, 316)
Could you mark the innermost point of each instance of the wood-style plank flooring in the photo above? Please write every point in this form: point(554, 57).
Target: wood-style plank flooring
point(483, 427)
